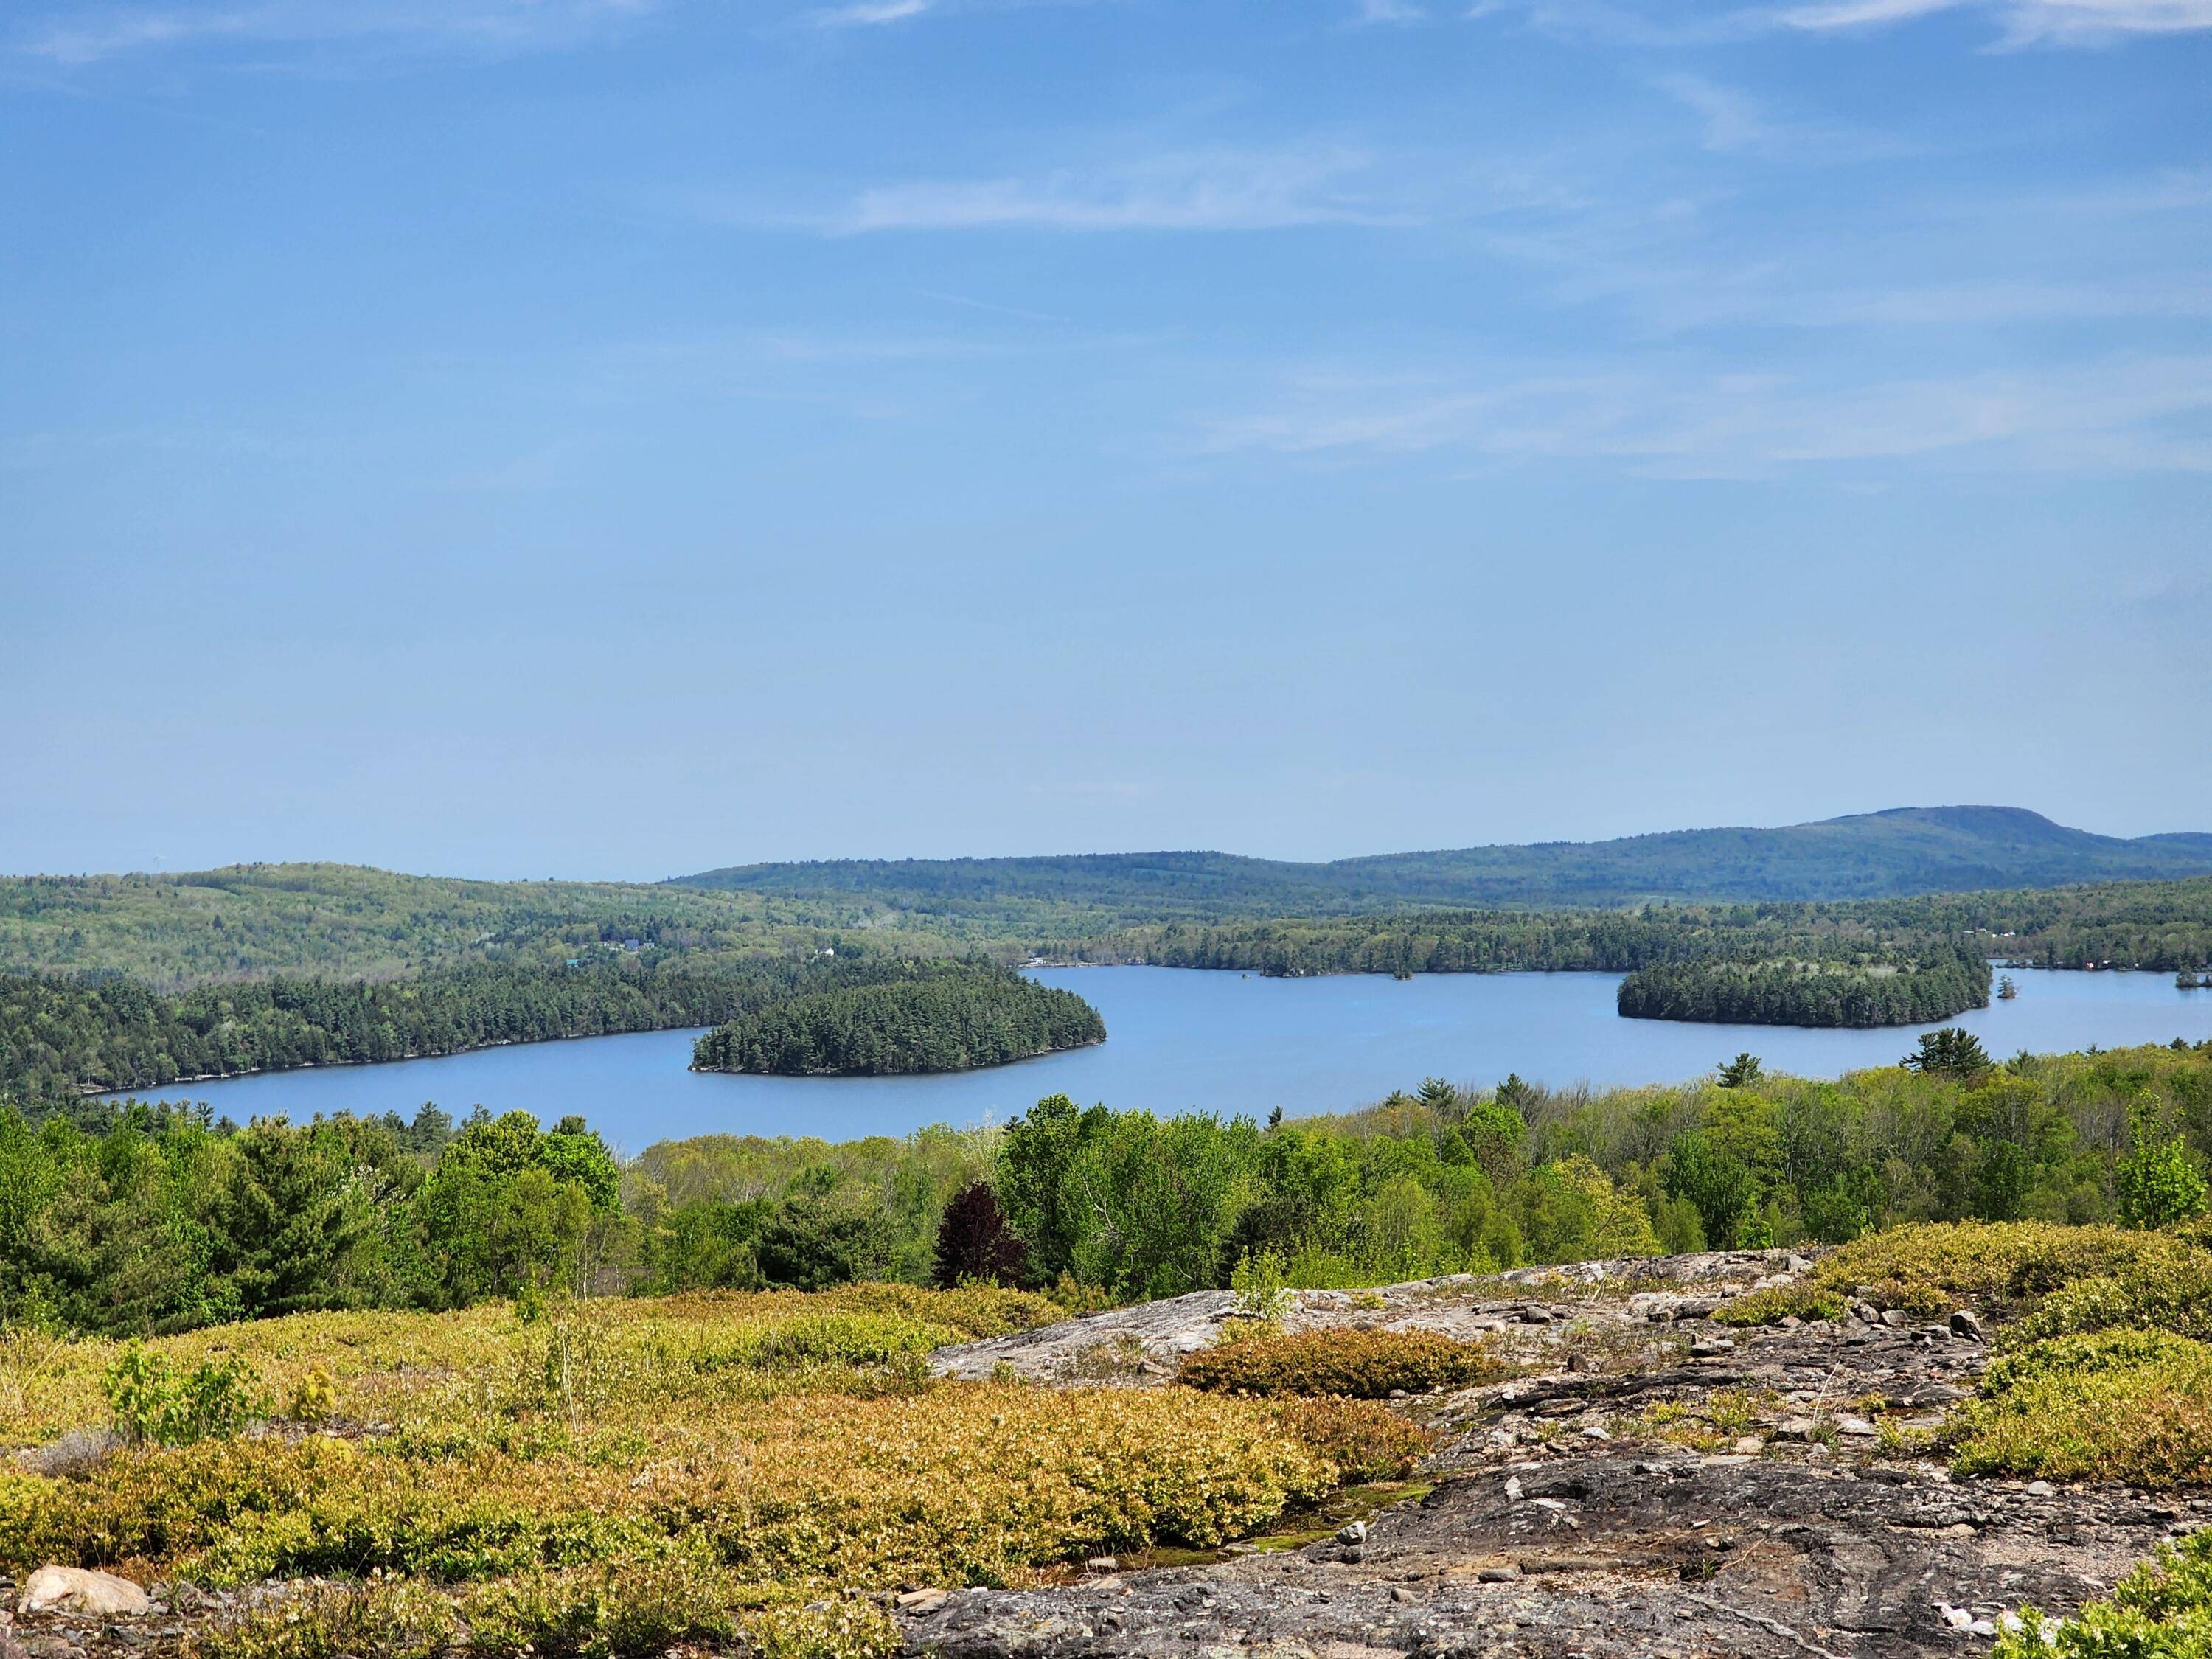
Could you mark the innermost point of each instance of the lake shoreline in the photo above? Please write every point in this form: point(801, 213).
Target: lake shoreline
point(1211, 1041)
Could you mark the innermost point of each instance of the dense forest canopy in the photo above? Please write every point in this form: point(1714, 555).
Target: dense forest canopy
point(348, 921)
point(135, 981)
point(57, 1035)
point(925, 1017)
point(2166, 926)
point(1182, 909)
point(1853, 991)
point(1908, 850)
point(158, 1220)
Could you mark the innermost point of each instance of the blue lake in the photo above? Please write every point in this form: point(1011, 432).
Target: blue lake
point(1218, 1041)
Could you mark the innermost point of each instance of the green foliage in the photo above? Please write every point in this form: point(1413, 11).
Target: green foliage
point(1361, 1365)
point(2158, 1183)
point(155, 1404)
point(1952, 1052)
point(811, 1243)
point(1718, 1183)
point(1263, 1293)
point(1142, 1205)
point(2162, 1610)
point(940, 1016)
point(346, 921)
point(507, 1207)
point(1859, 990)
point(1781, 1302)
point(58, 1035)
point(1742, 1072)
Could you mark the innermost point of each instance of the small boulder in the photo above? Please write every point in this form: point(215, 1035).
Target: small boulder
point(1498, 1575)
point(1711, 1347)
point(1963, 1323)
point(1353, 1533)
point(1896, 1318)
point(921, 1601)
point(73, 1590)
point(2041, 1489)
point(1795, 1428)
point(1858, 1427)
point(1512, 1488)
point(1750, 1446)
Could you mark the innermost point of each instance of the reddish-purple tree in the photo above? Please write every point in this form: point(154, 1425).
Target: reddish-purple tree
point(974, 1242)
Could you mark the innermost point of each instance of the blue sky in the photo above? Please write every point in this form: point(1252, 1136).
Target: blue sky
point(616, 437)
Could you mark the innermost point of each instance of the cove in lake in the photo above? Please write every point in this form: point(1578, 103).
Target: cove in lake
point(1182, 1038)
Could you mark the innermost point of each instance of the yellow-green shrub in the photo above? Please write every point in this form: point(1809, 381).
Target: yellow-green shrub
point(1931, 1268)
point(1365, 1441)
point(2162, 1610)
point(1365, 1365)
point(1781, 1302)
point(2133, 1405)
point(967, 1482)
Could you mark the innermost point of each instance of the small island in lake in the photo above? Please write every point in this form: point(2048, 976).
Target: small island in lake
point(1858, 991)
point(937, 1016)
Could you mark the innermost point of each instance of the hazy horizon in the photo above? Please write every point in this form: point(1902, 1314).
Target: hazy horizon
point(1018, 853)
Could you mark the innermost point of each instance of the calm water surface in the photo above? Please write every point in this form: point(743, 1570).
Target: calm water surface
point(1219, 1042)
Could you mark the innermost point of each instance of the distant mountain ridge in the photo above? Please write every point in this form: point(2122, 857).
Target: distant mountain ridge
point(1904, 851)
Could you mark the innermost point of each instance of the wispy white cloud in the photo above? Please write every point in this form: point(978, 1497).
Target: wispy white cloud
point(2023, 22)
point(867, 13)
point(92, 34)
point(2117, 415)
point(1735, 121)
point(1203, 191)
point(1389, 11)
point(1674, 23)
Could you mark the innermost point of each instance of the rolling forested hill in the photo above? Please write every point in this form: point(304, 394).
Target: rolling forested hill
point(1902, 852)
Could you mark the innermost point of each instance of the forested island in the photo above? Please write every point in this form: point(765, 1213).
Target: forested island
point(941, 1017)
point(1855, 992)
point(61, 1035)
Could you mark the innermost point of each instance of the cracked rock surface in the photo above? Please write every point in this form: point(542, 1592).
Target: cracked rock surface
point(1748, 1492)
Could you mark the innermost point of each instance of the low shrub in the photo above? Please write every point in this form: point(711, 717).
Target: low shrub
point(1781, 1302)
point(848, 1629)
point(2170, 1292)
point(1365, 1441)
point(154, 1402)
point(967, 1483)
point(1364, 1364)
point(830, 1339)
point(2131, 1405)
point(2162, 1610)
point(1931, 1268)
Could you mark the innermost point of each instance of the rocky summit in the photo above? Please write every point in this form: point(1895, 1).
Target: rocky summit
point(1650, 1482)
